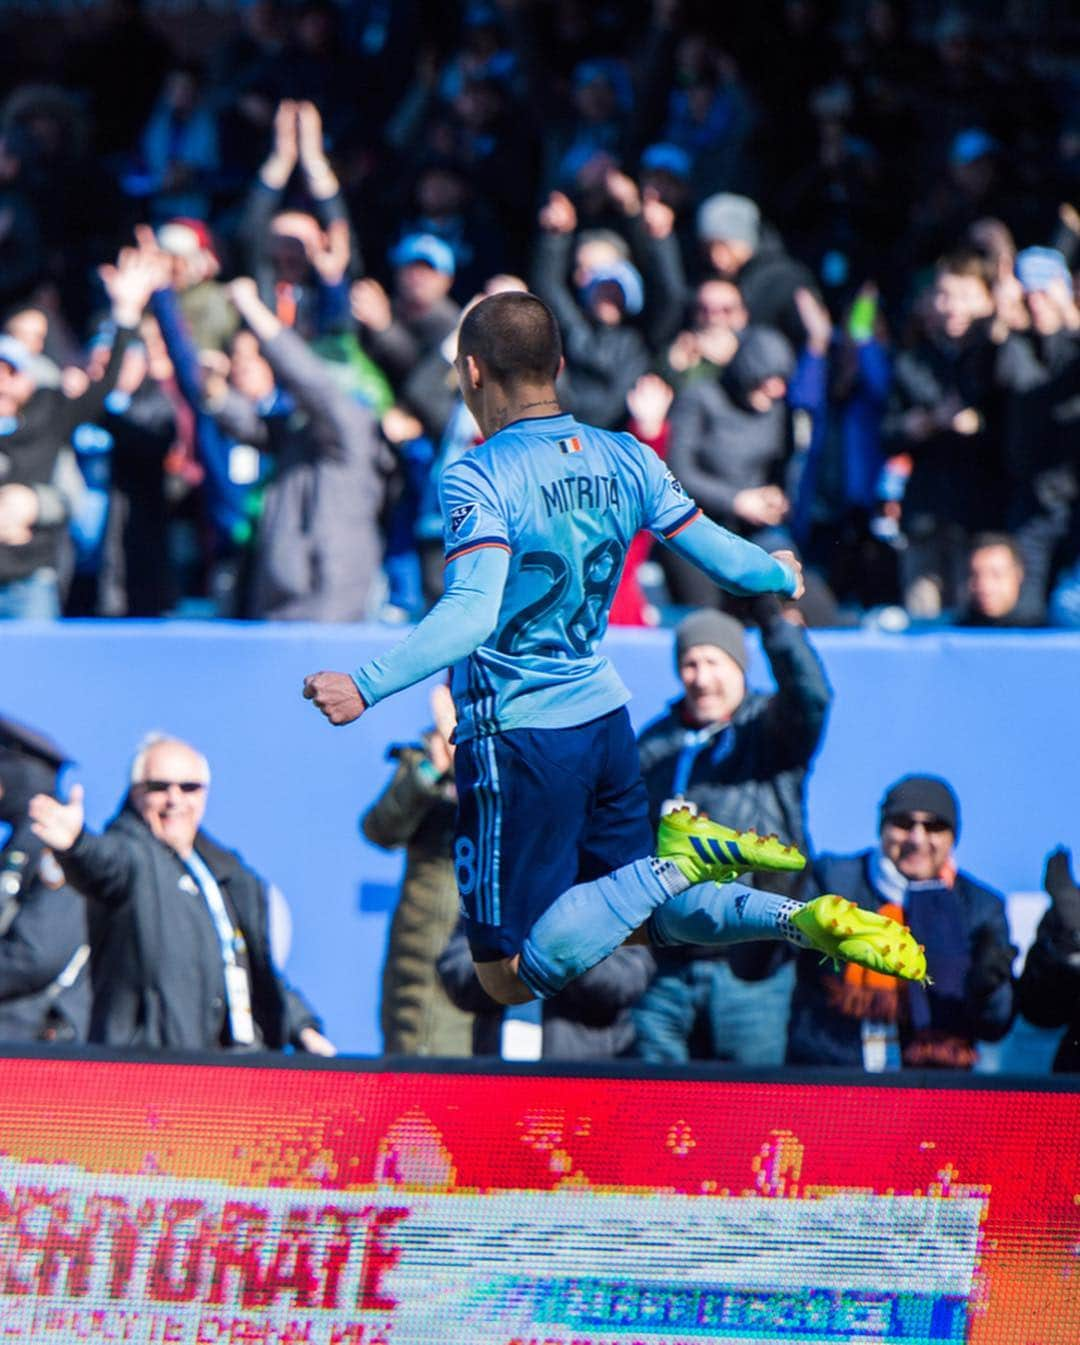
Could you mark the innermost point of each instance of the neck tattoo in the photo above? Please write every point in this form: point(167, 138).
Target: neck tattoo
point(528, 406)
point(502, 414)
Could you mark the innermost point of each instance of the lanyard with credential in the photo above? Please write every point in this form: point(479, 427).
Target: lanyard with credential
point(237, 987)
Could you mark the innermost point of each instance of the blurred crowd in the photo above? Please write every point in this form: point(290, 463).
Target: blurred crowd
point(819, 256)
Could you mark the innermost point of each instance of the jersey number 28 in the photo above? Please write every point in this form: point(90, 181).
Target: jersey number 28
point(600, 574)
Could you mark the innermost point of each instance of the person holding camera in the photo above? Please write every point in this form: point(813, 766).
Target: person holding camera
point(44, 983)
point(416, 812)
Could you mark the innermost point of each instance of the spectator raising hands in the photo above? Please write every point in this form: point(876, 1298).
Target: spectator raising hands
point(33, 501)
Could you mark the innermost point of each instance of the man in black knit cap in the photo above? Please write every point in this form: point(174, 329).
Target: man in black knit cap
point(875, 1022)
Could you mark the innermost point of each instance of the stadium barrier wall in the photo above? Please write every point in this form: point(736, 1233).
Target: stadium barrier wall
point(342, 1205)
point(997, 714)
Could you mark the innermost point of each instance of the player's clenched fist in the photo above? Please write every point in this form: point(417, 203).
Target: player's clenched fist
point(335, 694)
point(791, 560)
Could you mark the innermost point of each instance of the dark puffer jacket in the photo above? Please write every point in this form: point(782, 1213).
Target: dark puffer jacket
point(768, 282)
point(752, 772)
point(602, 362)
point(720, 445)
point(956, 478)
point(156, 962)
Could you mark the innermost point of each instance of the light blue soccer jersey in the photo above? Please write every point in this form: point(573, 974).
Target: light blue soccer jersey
point(565, 500)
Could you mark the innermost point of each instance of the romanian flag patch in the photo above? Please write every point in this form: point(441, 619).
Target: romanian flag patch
point(570, 445)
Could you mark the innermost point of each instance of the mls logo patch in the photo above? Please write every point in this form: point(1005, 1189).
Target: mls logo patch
point(463, 518)
point(570, 445)
point(675, 484)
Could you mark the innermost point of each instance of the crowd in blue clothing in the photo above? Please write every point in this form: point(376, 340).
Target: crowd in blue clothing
point(819, 256)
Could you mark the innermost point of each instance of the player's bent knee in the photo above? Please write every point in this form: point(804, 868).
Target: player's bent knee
point(501, 981)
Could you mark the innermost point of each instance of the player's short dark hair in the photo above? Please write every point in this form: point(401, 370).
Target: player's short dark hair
point(515, 335)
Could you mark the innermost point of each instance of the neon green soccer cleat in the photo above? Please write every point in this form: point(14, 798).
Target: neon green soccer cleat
point(843, 931)
point(706, 852)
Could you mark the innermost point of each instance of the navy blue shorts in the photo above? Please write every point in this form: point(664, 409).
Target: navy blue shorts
point(538, 811)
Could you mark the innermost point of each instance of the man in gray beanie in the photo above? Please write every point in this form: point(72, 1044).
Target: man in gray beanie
point(742, 757)
point(738, 245)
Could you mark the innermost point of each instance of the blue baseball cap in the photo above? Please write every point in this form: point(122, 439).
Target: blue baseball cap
point(481, 14)
point(667, 158)
point(972, 144)
point(13, 352)
point(1038, 268)
point(612, 72)
point(424, 248)
point(626, 277)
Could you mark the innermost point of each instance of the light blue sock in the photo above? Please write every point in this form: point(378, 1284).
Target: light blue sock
point(589, 921)
point(715, 914)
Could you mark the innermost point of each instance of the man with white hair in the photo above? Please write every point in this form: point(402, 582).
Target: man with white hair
point(179, 926)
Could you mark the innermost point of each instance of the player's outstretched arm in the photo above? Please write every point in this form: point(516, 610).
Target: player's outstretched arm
point(737, 565)
point(460, 622)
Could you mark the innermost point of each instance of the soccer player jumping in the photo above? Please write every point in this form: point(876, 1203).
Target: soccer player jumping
point(555, 859)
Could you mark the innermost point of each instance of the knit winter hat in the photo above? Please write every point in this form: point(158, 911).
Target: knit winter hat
point(734, 219)
point(922, 794)
point(628, 280)
point(714, 628)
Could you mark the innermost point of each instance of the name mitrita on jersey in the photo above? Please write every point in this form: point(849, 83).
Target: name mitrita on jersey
point(580, 492)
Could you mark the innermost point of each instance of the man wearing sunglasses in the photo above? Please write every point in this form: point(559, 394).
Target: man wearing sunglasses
point(179, 926)
point(875, 1022)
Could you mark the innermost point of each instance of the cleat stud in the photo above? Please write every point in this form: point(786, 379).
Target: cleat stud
point(834, 924)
